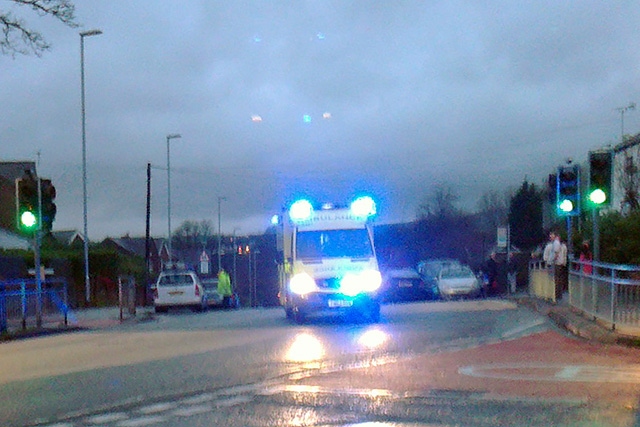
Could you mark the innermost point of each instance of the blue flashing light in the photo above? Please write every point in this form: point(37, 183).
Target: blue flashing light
point(363, 207)
point(306, 118)
point(301, 211)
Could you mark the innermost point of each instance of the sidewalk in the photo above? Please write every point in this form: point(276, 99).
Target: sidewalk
point(574, 322)
point(80, 319)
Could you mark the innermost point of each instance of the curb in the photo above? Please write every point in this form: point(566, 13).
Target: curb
point(574, 322)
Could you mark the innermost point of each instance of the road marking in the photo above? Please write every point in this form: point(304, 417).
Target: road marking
point(158, 407)
point(556, 373)
point(201, 398)
point(107, 418)
point(233, 401)
point(568, 373)
point(192, 410)
point(142, 421)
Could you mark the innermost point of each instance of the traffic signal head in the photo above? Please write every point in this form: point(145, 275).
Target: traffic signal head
point(27, 205)
point(600, 173)
point(552, 188)
point(49, 208)
point(568, 191)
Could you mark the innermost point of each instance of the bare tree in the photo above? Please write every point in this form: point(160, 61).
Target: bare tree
point(18, 38)
point(441, 204)
point(192, 234)
point(493, 210)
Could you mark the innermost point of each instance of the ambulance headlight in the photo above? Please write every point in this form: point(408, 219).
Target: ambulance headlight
point(302, 284)
point(353, 284)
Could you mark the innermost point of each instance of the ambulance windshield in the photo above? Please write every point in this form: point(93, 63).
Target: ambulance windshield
point(351, 243)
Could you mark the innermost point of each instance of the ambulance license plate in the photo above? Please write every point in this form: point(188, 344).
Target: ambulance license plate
point(339, 303)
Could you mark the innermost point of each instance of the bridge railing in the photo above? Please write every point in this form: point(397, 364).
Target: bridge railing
point(22, 306)
point(610, 293)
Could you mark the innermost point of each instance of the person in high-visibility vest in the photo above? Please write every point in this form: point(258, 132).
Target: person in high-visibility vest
point(224, 288)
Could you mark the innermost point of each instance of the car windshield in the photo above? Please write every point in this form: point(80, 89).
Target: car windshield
point(210, 283)
point(456, 272)
point(176, 280)
point(353, 243)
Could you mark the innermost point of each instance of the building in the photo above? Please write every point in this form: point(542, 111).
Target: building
point(626, 176)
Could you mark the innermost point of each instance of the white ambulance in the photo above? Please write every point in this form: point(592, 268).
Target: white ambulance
point(328, 261)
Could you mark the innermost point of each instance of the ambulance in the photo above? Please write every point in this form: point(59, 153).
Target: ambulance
point(328, 263)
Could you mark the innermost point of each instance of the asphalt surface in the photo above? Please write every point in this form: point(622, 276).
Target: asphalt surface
point(563, 315)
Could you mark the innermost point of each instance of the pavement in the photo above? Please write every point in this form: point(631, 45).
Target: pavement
point(576, 323)
point(565, 316)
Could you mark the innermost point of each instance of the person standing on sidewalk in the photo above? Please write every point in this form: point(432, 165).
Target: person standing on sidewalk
point(224, 288)
point(512, 272)
point(561, 272)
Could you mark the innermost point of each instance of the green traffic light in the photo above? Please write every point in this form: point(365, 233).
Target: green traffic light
point(28, 219)
point(598, 196)
point(566, 205)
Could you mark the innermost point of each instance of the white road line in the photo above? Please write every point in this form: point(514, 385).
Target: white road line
point(233, 401)
point(107, 418)
point(142, 421)
point(568, 373)
point(541, 372)
point(156, 408)
point(194, 400)
point(192, 410)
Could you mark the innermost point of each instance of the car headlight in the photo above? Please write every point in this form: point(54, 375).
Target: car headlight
point(302, 284)
point(364, 281)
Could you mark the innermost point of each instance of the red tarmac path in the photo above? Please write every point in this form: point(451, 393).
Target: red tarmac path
point(548, 366)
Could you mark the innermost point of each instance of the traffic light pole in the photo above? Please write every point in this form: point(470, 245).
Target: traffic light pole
point(37, 257)
point(596, 234)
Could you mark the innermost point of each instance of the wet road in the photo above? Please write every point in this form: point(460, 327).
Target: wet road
point(470, 363)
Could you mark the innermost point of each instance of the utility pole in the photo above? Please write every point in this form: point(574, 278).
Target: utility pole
point(147, 235)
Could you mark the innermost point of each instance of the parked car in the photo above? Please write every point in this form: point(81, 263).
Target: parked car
point(458, 280)
point(178, 288)
point(214, 299)
point(405, 284)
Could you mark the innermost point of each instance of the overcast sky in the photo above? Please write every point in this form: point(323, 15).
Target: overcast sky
point(475, 95)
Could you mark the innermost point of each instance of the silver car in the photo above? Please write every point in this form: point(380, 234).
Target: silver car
point(458, 280)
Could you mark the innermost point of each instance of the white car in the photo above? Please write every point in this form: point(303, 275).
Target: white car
point(178, 288)
point(458, 280)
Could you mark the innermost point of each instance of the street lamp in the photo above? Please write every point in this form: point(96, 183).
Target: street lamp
point(169, 138)
point(235, 254)
point(87, 284)
point(622, 110)
point(220, 199)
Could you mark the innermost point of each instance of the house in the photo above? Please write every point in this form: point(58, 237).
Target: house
point(137, 246)
point(10, 240)
point(626, 175)
point(68, 237)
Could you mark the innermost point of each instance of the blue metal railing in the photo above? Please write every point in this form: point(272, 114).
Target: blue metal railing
point(609, 293)
point(23, 305)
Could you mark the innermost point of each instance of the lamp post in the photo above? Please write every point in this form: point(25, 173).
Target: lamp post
point(87, 284)
point(169, 138)
point(220, 199)
point(622, 110)
point(235, 254)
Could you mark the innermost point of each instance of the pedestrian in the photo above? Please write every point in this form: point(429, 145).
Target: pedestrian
point(224, 288)
point(512, 272)
point(586, 257)
point(561, 273)
point(491, 271)
point(547, 255)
